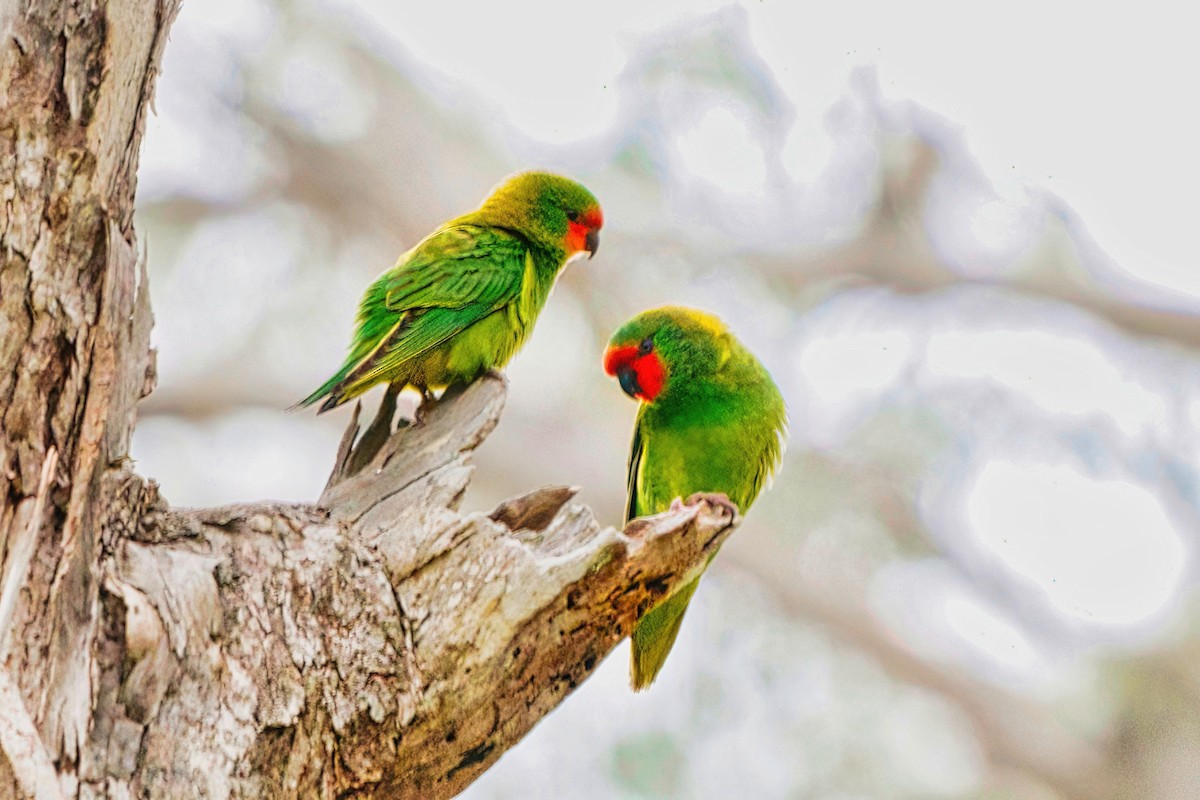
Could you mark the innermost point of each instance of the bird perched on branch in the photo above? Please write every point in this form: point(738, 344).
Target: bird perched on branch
point(710, 421)
point(464, 299)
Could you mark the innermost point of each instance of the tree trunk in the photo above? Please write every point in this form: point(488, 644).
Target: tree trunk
point(376, 642)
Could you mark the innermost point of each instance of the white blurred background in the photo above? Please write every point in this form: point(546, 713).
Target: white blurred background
point(963, 240)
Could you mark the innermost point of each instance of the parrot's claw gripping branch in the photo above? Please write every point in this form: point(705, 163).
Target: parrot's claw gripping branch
point(381, 642)
point(715, 499)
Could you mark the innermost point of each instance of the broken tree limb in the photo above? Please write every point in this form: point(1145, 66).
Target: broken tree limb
point(381, 643)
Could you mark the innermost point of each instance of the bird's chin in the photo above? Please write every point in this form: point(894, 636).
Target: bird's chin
point(578, 255)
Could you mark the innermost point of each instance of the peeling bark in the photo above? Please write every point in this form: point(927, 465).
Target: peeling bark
point(382, 644)
point(377, 642)
point(74, 356)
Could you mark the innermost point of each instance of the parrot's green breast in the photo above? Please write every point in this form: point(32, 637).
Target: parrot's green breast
point(725, 439)
point(717, 452)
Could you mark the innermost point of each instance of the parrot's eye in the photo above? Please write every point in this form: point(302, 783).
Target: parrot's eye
point(573, 216)
point(646, 346)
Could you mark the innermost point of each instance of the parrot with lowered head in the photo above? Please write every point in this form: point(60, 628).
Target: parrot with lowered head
point(464, 299)
point(710, 420)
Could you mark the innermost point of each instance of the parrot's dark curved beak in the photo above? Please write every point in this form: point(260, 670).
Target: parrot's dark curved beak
point(627, 377)
point(591, 242)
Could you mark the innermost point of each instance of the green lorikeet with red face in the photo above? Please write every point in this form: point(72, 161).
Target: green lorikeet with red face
point(464, 300)
point(711, 420)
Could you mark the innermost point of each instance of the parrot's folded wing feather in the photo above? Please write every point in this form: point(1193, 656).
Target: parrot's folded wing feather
point(635, 465)
point(456, 266)
point(450, 281)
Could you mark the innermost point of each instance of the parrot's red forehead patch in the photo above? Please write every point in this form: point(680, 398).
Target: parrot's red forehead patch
point(617, 357)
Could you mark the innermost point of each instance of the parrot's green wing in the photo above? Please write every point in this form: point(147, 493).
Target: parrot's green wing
point(635, 465)
point(450, 281)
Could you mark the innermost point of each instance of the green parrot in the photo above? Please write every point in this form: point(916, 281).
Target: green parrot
point(465, 298)
point(710, 420)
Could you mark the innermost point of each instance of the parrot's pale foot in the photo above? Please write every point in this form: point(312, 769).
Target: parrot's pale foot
point(496, 375)
point(715, 499)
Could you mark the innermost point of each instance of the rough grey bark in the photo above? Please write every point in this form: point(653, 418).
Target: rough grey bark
point(75, 80)
point(377, 642)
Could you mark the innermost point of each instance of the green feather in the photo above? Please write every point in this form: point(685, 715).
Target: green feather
point(716, 426)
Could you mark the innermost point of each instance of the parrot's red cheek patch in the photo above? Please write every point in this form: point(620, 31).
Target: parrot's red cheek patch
point(581, 233)
point(641, 375)
point(650, 376)
point(576, 237)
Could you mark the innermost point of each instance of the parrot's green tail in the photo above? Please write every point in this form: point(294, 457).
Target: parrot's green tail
point(330, 390)
point(654, 635)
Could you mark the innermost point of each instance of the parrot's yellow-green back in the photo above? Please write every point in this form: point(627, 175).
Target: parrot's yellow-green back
point(710, 420)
